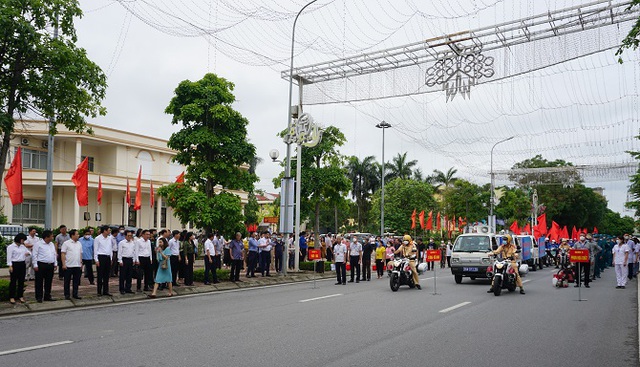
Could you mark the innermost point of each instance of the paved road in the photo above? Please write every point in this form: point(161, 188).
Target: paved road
point(357, 324)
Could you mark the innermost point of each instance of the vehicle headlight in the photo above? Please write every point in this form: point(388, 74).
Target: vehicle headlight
point(486, 260)
point(455, 260)
point(499, 265)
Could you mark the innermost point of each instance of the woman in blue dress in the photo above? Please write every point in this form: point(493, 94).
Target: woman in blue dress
point(163, 275)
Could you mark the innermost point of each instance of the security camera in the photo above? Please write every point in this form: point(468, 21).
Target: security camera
point(274, 154)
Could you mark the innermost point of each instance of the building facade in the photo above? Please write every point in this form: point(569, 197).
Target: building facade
point(114, 157)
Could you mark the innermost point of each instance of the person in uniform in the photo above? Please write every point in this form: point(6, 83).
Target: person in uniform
point(410, 250)
point(620, 258)
point(508, 251)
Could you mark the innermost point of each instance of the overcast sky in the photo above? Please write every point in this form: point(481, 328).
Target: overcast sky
point(584, 111)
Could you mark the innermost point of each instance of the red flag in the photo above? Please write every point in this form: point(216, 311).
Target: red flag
point(460, 222)
point(542, 225)
point(595, 230)
point(574, 233)
point(438, 222)
point(527, 228)
point(128, 194)
point(100, 190)
point(152, 194)
point(413, 219)
point(564, 233)
point(13, 179)
point(421, 216)
point(180, 178)
point(514, 227)
point(138, 203)
point(429, 225)
point(555, 232)
point(80, 178)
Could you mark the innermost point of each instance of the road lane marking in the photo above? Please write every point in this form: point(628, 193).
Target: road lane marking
point(323, 297)
point(426, 278)
point(14, 351)
point(454, 307)
point(524, 281)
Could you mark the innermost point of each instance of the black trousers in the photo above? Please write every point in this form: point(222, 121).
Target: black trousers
point(188, 268)
point(252, 262)
point(217, 262)
point(430, 265)
point(88, 270)
point(303, 254)
point(72, 274)
point(103, 271)
point(174, 268)
point(60, 271)
point(126, 275)
point(278, 262)
point(583, 268)
point(210, 267)
point(236, 266)
point(114, 264)
point(630, 271)
point(16, 284)
point(366, 268)
point(380, 267)
point(265, 262)
point(355, 266)
point(146, 270)
point(44, 278)
point(341, 272)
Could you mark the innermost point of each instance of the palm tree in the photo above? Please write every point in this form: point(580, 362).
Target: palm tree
point(418, 175)
point(400, 167)
point(446, 179)
point(364, 176)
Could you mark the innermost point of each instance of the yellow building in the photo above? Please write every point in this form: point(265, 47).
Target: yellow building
point(114, 155)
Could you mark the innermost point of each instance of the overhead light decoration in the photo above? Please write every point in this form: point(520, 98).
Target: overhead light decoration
point(459, 70)
point(304, 132)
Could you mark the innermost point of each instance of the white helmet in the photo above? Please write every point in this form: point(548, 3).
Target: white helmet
point(422, 267)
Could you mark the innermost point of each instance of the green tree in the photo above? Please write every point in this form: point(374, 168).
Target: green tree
point(400, 167)
point(364, 176)
point(634, 189)
point(446, 179)
point(614, 224)
point(251, 210)
point(212, 145)
point(401, 197)
point(515, 204)
point(466, 199)
point(40, 74)
point(632, 40)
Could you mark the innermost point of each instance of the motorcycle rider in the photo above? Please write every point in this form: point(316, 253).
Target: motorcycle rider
point(564, 246)
point(508, 251)
point(409, 250)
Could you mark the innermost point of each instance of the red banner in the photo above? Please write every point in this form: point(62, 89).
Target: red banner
point(434, 255)
point(579, 256)
point(314, 255)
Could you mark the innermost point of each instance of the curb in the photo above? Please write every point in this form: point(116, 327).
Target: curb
point(32, 307)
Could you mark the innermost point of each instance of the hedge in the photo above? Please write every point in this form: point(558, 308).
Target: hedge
point(4, 290)
point(309, 265)
point(223, 274)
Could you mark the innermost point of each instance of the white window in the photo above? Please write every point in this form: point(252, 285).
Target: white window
point(30, 211)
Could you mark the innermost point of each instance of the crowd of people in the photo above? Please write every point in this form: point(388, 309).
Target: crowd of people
point(158, 260)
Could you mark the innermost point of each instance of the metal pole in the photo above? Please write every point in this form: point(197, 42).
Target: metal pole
point(382, 192)
point(492, 222)
point(296, 259)
point(48, 191)
point(287, 172)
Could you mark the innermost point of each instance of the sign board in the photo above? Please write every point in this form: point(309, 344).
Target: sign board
point(579, 256)
point(270, 220)
point(526, 246)
point(433, 255)
point(542, 247)
point(314, 255)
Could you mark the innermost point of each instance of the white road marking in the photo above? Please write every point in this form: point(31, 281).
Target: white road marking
point(524, 281)
point(454, 307)
point(323, 297)
point(14, 351)
point(426, 278)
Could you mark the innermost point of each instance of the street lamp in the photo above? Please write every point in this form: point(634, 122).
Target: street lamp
point(492, 220)
point(287, 173)
point(383, 125)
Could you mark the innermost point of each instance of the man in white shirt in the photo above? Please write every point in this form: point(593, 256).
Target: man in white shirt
point(265, 245)
point(71, 257)
point(339, 257)
point(174, 246)
point(45, 262)
point(32, 240)
point(127, 257)
point(620, 259)
point(209, 259)
point(102, 252)
point(143, 246)
point(355, 257)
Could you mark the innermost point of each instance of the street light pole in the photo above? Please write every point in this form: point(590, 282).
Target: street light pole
point(287, 172)
point(492, 222)
point(383, 125)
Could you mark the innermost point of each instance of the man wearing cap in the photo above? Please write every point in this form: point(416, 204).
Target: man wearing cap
point(409, 250)
point(594, 252)
point(508, 251)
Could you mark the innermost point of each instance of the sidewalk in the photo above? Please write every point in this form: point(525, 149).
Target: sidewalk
point(90, 298)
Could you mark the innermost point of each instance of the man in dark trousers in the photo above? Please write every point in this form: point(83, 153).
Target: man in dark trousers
point(431, 246)
point(45, 262)
point(367, 250)
point(102, 252)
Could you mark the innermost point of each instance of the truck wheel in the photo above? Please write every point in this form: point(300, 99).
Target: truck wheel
point(458, 278)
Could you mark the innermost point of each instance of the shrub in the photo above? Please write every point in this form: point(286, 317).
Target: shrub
point(223, 274)
point(4, 290)
point(3, 251)
point(309, 266)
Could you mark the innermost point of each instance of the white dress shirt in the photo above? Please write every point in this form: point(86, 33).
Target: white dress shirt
point(355, 249)
point(127, 249)
point(73, 251)
point(174, 246)
point(31, 241)
point(45, 253)
point(143, 248)
point(264, 244)
point(339, 252)
point(16, 253)
point(209, 246)
point(102, 246)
